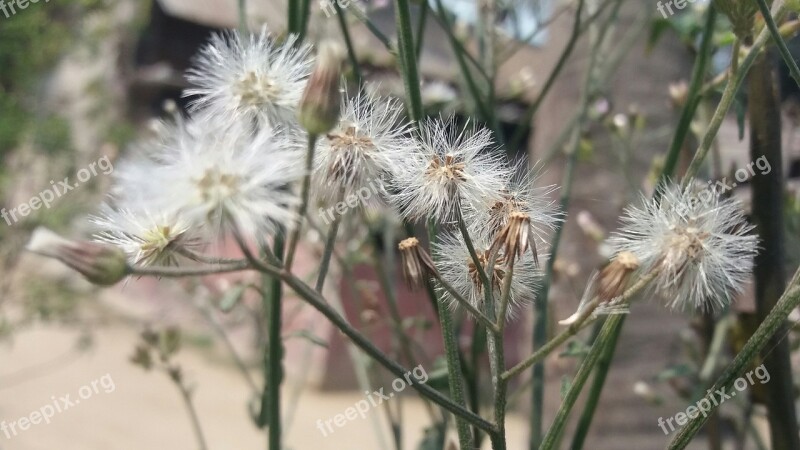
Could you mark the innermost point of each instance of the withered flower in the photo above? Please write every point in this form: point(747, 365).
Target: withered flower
point(417, 263)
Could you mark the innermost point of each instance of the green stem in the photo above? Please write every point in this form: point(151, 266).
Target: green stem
point(274, 376)
point(596, 389)
point(330, 242)
point(516, 139)
point(408, 59)
point(423, 19)
point(693, 96)
point(776, 36)
point(243, 17)
point(348, 42)
point(607, 333)
point(768, 328)
point(729, 94)
point(294, 238)
point(293, 11)
point(454, 375)
point(319, 303)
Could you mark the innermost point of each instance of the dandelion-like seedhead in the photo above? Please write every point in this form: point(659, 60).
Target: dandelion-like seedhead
point(209, 179)
point(450, 167)
point(702, 250)
point(250, 79)
point(456, 267)
point(148, 237)
point(369, 143)
point(522, 195)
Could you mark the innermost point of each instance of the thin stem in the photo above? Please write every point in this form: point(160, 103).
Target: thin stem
point(516, 139)
point(181, 272)
point(454, 375)
point(590, 406)
point(608, 335)
point(478, 314)
point(728, 95)
point(223, 334)
point(771, 324)
point(408, 59)
point(693, 96)
point(421, 21)
point(330, 242)
point(186, 395)
point(320, 304)
point(274, 375)
point(348, 42)
point(243, 17)
point(776, 36)
point(374, 29)
point(304, 194)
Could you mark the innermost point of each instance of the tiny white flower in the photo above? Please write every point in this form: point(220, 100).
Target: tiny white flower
point(701, 246)
point(456, 267)
point(366, 147)
point(251, 78)
point(450, 167)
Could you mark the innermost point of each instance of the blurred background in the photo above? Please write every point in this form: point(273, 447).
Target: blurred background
point(81, 80)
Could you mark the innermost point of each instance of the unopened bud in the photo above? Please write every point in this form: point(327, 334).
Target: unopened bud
point(319, 107)
point(742, 14)
point(100, 264)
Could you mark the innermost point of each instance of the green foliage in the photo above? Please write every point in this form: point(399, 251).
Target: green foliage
point(30, 42)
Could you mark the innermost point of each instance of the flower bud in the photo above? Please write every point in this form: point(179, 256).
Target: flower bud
point(741, 13)
point(319, 108)
point(100, 264)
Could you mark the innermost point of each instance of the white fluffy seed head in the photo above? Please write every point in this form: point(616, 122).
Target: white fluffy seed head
point(450, 166)
point(701, 246)
point(521, 195)
point(456, 267)
point(148, 237)
point(216, 178)
point(251, 79)
point(370, 141)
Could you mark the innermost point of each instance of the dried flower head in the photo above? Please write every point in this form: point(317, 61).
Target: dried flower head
point(700, 246)
point(100, 264)
point(613, 279)
point(457, 268)
point(521, 195)
point(417, 263)
point(516, 236)
point(250, 78)
point(368, 144)
point(450, 167)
